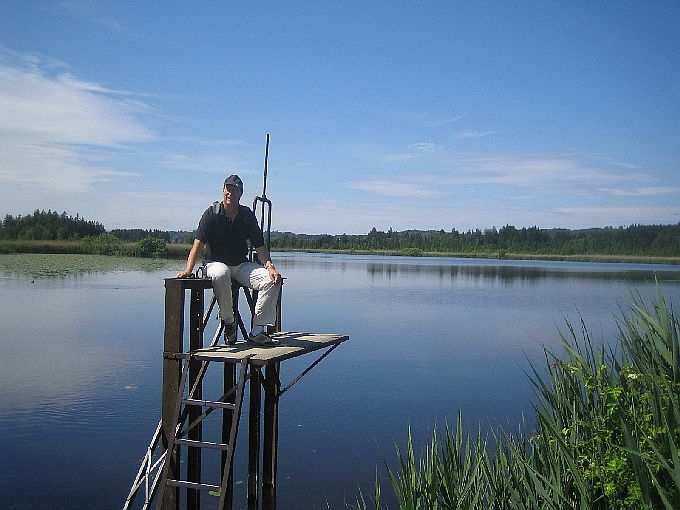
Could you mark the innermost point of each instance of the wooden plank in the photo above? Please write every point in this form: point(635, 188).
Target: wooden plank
point(172, 343)
point(191, 283)
point(290, 345)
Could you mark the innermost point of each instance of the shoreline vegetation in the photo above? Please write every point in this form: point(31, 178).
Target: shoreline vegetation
point(606, 434)
point(155, 248)
point(49, 232)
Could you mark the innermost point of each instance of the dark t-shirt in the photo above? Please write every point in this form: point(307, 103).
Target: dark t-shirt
point(227, 240)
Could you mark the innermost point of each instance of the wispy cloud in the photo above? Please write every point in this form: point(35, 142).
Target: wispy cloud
point(59, 131)
point(397, 189)
point(87, 11)
point(472, 134)
point(420, 119)
point(433, 171)
point(220, 162)
point(582, 216)
point(541, 171)
point(650, 191)
point(414, 151)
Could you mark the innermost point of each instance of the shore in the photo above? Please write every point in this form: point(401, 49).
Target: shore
point(180, 251)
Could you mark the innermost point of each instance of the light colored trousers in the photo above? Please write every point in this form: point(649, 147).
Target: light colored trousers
point(248, 274)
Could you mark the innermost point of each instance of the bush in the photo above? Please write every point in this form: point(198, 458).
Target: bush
point(105, 244)
point(151, 247)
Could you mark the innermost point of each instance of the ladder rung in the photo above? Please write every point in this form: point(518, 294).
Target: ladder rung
point(194, 485)
point(202, 444)
point(208, 403)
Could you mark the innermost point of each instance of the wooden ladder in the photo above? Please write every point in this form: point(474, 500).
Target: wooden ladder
point(185, 401)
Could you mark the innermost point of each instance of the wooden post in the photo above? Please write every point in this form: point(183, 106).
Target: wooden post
point(254, 439)
point(172, 343)
point(196, 434)
point(227, 416)
point(271, 436)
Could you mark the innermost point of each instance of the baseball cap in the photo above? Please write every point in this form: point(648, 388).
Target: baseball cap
point(234, 180)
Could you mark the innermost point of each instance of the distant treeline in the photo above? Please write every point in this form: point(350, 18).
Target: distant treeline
point(635, 240)
point(48, 225)
point(52, 226)
point(137, 234)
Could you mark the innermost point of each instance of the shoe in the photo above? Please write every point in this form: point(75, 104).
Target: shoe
point(229, 333)
point(261, 339)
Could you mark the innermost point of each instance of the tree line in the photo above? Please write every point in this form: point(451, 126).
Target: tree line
point(637, 240)
point(52, 226)
point(48, 225)
point(634, 240)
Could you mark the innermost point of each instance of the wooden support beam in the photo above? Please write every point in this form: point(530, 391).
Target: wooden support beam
point(254, 439)
point(227, 416)
point(172, 343)
point(271, 436)
point(196, 434)
point(263, 418)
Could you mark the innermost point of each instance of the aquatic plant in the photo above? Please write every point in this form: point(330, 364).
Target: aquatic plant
point(606, 433)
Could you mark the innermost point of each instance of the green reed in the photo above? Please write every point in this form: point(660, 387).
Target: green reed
point(606, 433)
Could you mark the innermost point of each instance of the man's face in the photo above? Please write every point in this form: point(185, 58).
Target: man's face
point(231, 194)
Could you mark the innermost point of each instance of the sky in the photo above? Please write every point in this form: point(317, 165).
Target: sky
point(403, 115)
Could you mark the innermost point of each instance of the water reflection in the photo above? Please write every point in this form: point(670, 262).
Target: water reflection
point(488, 270)
point(428, 337)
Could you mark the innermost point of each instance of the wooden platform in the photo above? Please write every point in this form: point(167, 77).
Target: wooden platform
point(289, 345)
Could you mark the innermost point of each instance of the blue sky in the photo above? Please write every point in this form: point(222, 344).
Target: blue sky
point(425, 115)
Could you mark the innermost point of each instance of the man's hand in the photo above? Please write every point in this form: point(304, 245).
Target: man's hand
point(273, 273)
point(183, 274)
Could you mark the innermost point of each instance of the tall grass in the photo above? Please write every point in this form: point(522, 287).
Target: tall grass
point(606, 436)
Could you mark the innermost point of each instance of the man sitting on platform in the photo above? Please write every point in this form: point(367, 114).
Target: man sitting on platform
point(226, 227)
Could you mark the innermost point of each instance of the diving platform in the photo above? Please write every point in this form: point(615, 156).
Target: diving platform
point(287, 345)
point(177, 470)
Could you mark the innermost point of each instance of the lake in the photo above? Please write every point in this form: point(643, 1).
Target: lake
point(82, 339)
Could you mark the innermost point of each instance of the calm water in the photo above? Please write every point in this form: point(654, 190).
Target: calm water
point(81, 365)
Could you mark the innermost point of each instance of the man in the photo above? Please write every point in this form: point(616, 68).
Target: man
point(226, 227)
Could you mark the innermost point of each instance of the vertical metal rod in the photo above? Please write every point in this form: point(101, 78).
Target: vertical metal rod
point(266, 158)
point(172, 343)
point(195, 342)
point(254, 439)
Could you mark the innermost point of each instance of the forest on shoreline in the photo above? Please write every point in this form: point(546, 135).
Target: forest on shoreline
point(50, 232)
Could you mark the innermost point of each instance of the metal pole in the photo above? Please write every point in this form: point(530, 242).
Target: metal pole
point(266, 158)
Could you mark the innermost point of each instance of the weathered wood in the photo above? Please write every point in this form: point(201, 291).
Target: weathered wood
point(262, 430)
point(270, 432)
point(172, 343)
point(227, 415)
point(195, 434)
point(290, 345)
point(254, 439)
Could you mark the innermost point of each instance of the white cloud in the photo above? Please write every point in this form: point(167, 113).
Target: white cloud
point(472, 134)
point(402, 188)
point(650, 191)
point(417, 150)
point(583, 216)
point(87, 11)
point(57, 131)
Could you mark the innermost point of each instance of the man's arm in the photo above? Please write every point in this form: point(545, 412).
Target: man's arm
point(265, 258)
point(191, 260)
